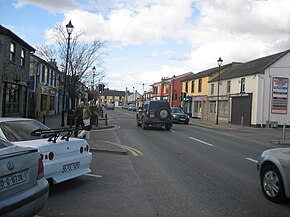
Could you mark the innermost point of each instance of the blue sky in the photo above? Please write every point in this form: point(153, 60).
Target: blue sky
point(150, 39)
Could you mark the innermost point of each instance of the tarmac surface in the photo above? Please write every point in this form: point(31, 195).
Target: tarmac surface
point(272, 136)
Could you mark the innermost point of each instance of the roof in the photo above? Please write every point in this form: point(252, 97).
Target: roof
point(208, 72)
point(113, 93)
point(252, 67)
point(5, 31)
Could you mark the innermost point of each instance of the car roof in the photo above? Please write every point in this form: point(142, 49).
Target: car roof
point(4, 119)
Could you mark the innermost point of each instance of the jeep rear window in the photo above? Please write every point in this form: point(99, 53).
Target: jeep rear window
point(157, 105)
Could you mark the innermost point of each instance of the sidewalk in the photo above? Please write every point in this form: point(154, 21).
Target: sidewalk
point(54, 121)
point(271, 135)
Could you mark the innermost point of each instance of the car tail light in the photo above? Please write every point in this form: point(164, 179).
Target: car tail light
point(87, 148)
point(81, 149)
point(40, 169)
point(50, 155)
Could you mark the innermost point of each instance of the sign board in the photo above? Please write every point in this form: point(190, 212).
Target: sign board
point(279, 95)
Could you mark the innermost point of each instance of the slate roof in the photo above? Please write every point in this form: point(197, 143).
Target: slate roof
point(208, 72)
point(11, 34)
point(252, 67)
point(113, 93)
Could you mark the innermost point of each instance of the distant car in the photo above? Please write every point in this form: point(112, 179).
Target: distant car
point(178, 116)
point(155, 113)
point(132, 107)
point(125, 106)
point(110, 106)
point(63, 157)
point(274, 170)
point(23, 189)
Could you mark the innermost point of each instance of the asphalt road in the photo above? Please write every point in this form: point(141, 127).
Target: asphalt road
point(188, 171)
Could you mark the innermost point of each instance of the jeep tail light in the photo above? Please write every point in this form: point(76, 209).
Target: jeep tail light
point(40, 169)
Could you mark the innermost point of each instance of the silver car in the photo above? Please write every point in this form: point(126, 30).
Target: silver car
point(23, 189)
point(274, 169)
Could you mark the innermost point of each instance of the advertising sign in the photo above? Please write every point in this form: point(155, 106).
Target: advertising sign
point(279, 95)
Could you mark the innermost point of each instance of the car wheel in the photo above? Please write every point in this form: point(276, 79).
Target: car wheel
point(272, 184)
point(163, 113)
point(167, 128)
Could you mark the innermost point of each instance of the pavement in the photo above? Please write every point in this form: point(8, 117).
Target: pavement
point(263, 135)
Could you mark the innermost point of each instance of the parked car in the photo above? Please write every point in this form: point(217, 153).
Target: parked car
point(125, 106)
point(23, 189)
point(110, 106)
point(274, 169)
point(132, 107)
point(178, 116)
point(155, 113)
point(63, 157)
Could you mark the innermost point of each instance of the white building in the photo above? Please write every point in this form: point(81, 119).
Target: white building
point(255, 92)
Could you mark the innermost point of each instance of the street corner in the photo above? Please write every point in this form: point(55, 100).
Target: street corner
point(103, 146)
point(103, 127)
point(281, 142)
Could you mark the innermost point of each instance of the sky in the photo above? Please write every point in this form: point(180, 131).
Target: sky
point(150, 39)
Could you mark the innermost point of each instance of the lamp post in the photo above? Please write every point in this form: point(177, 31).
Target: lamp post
point(172, 90)
point(143, 92)
point(219, 61)
point(69, 29)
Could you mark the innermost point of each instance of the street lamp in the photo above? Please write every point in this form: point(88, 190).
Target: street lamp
point(172, 90)
point(69, 29)
point(219, 61)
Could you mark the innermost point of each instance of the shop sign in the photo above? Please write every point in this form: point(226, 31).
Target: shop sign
point(279, 95)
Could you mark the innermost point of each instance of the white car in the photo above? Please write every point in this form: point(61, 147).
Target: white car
point(63, 157)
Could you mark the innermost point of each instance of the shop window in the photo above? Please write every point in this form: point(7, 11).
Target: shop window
point(52, 104)
point(212, 107)
point(12, 98)
point(223, 108)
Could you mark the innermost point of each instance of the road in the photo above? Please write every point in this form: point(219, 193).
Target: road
point(188, 171)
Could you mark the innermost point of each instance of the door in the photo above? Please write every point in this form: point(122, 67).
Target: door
point(241, 109)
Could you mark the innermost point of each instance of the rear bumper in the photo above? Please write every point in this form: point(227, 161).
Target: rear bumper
point(28, 203)
point(54, 168)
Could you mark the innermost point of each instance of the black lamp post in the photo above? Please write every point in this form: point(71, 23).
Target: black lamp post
point(172, 90)
point(69, 29)
point(219, 61)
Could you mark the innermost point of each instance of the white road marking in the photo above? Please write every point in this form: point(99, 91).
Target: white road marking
point(128, 114)
point(173, 131)
point(252, 160)
point(206, 143)
point(94, 175)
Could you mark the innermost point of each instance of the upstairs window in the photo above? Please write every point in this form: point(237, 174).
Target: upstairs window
point(243, 83)
point(186, 87)
point(12, 52)
point(228, 86)
point(199, 85)
point(192, 86)
point(43, 74)
point(22, 60)
point(212, 89)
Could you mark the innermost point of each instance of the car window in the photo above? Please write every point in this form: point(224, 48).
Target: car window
point(156, 105)
point(21, 130)
point(4, 143)
point(177, 110)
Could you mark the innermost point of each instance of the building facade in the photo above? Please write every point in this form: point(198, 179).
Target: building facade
point(14, 74)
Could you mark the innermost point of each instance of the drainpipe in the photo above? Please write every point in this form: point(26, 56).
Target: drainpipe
point(262, 99)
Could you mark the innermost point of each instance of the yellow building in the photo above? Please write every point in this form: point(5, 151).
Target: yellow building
point(112, 96)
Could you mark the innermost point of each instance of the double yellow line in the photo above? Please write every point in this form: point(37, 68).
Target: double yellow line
point(135, 152)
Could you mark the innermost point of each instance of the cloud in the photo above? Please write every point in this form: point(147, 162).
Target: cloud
point(53, 6)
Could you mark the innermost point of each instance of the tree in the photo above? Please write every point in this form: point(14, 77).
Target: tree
point(83, 56)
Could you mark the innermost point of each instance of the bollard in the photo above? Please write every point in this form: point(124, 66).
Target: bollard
point(102, 113)
point(106, 119)
point(43, 121)
point(284, 131)
point(97, 121)
point(242, 121)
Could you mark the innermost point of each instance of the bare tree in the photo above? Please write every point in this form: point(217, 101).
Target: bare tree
point(83, 57)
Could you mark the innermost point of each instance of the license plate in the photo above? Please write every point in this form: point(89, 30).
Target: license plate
point(13, 179)
point(182, 119)
point(70, 167)
point(152, 115)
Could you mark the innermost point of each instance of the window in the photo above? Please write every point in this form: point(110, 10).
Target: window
point(166, 89)
point(199, 85)
point(228, 86)
point(212, 89)
point(192, 86)
point(243, 81)
point(22, 60)
point(12, 52)
point(42, 74)
point(223, 108)
point(186, 87)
